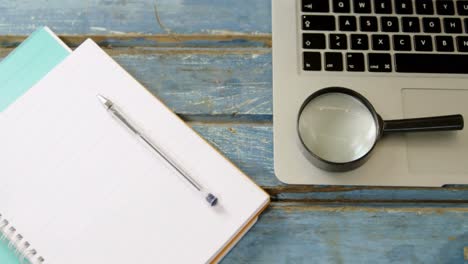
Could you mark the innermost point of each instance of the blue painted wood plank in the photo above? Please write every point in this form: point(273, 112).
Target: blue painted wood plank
point(227, 83)
point(250, 147)
point(300, 233)
point(137, 16)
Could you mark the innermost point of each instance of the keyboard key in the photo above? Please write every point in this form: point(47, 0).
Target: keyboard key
point(341, 6)
point(445, 7)
point(338, 41)
point(313, 41)
point(466, 24)
point(431, 63)
point(318, 22)
point(359, 42)
point(383, 6)
point(368, 23)
point(380, 62)
point(444, 43)
point(312, 61)
point(355, 62)
point(380, 42)
point(404, 7)
point(410, 24)
point(362, 6)
point(389, 24)
point(431, 24)
point(462, 8)
point(402, 42)
point(452, 25)
point(315, 6)
point(424, 7)
point(333, 61)
point(423, 43)
point(462, 44)
point(347, 23)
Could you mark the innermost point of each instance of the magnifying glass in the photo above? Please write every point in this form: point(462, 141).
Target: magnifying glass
point(338, 128)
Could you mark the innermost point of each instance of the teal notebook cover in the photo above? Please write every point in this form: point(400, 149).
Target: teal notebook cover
point(19, 71)
point(28, 63)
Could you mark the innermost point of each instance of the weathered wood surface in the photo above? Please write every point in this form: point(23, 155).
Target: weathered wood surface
point(210, 61)
point(143, 22)
point(232, 83)
point(136, 16)
point(302, 233)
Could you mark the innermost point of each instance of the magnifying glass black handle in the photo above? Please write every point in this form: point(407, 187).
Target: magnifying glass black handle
point(424, 124)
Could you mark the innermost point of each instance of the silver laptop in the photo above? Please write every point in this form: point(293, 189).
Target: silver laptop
point(409, 58)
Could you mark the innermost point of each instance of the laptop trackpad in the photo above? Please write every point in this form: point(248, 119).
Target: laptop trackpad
point(434, 152)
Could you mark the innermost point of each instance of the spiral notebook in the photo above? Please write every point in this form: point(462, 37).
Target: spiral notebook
point(78, 188)
point(19, 71)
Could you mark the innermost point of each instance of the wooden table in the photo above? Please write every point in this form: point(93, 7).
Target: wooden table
point(210, 61)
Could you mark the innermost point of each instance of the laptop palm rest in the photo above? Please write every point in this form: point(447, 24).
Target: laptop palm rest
point(436, 152)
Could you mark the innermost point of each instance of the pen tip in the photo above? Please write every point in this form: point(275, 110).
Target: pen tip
point(104, 101)
point(101, 98)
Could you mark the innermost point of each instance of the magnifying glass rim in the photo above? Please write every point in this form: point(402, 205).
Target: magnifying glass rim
point(359, 97)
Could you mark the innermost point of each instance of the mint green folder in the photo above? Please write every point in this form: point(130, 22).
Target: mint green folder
point(28, 63)
point(7, 254)
point(23, 67)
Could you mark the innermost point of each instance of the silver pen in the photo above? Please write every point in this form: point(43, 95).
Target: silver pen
point(114, 111)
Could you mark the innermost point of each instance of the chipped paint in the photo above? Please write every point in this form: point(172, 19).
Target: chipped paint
point(98, 28)
point(232, 130)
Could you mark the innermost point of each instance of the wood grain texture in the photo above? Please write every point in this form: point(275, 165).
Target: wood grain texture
point(136, 16)
point(250, 147)
point(231, 83)
point(300, 233)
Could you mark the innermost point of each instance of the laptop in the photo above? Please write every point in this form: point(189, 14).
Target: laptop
point(409, 58)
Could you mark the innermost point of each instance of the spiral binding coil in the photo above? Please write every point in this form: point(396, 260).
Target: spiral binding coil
point(18, 244)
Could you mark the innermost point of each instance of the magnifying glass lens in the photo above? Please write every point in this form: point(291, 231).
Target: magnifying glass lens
point(337, 127)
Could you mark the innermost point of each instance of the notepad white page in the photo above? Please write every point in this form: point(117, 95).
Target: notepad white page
point(82, 189)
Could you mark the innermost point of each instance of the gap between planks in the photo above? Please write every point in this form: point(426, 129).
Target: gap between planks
point(275, 190)
point(395, 207)
point(298, 193)
point(383, 202)
point(134, 51)
point(156, 40)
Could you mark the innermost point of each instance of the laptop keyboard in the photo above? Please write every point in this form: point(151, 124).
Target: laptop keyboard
point(403, 36)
